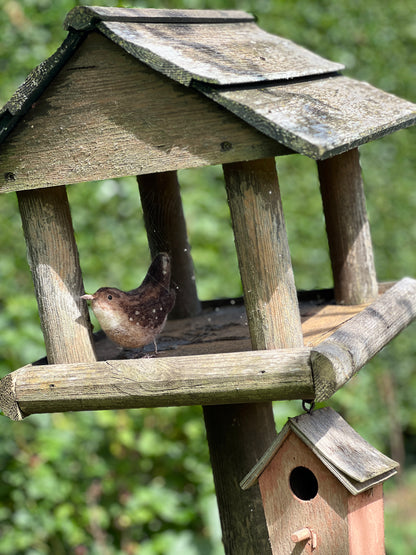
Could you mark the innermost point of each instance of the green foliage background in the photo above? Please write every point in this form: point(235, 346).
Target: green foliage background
point(139, 482)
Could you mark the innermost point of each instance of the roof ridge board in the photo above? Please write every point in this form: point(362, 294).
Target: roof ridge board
point(36, 82)
point(85, 18)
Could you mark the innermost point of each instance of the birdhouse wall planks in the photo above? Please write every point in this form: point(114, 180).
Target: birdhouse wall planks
point(321, 485)
point(148, 92)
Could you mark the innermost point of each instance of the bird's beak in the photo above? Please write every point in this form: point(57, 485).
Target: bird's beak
point(87, 297)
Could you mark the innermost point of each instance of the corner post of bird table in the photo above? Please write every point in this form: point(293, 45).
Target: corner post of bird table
point(239, 434)
point(54, 262)
point(348, 228)
point(166, 231)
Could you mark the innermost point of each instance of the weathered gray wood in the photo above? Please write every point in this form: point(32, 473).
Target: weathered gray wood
point(8, 403)
point(318, 118)
point(166, 232)
point(54, 262)
point(152, 382)
point(107, 115)
point(221, 54)
point(87, 17)
point(350, 347)
point(348, 229)
point(222, 377)
point(266, 271)
point(355, 462)
point(33, 86)
point(238, 434)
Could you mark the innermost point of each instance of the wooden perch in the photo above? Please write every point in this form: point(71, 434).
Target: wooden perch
point(253, 376)
point(350, 347)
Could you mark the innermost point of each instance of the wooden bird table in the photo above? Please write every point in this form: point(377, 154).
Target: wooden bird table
point(148, 92)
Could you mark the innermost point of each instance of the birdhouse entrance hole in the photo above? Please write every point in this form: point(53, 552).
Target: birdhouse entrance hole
point(303, 483)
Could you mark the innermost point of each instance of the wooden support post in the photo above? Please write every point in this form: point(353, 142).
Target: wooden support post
point(166, 231)
point(348, 229)
point(239, 434)
point(263, 254)
point(54, 262)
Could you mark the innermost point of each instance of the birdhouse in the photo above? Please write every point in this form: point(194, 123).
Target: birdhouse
point(148, 92)
point(321, 485)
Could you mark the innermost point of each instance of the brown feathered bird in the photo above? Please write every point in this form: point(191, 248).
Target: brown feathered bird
point(134, 318)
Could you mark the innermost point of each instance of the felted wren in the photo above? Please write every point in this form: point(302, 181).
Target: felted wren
point(134, 318)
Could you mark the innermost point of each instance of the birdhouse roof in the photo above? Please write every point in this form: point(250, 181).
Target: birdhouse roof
point(286, 92)
point(351, 459)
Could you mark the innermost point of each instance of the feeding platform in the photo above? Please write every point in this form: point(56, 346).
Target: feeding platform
point(208, 360)
point(148, 92)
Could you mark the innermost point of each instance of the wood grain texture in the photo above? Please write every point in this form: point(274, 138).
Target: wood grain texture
point(8, 400)
point(107, 115)
point(326, 513)
point(366, 522)
point(222, 327)
point(349, 348)
point(166, 231)
point(237, 435)
point(150, 382)
point(263, 253)
point(319, 118)
point(221, 54)
point(54, 262)
point(37, 80)
point(346, 510)
point(348, 229)
point(356, 463)
point(216, 332)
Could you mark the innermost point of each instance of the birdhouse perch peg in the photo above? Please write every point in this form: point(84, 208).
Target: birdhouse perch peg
point(321, 487)
point(303, 535)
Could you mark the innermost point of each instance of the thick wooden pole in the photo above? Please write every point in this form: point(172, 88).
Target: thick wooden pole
point(348, 229)
point(239, 434)
point(263, 253)
point(166, 231)
point(54, 262)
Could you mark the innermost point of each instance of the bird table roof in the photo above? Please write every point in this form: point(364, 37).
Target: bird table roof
point(285, 91)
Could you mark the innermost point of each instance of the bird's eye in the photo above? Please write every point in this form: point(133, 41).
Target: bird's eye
point(110, 297)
